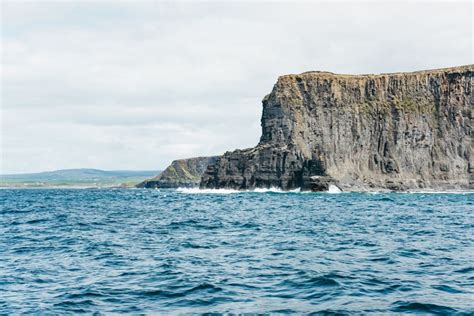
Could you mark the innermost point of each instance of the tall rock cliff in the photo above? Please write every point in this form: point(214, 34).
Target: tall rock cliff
point(181, 173)
point(390, 131)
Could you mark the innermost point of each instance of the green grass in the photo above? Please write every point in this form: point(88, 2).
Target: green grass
point(76, 178)
point(405, 105)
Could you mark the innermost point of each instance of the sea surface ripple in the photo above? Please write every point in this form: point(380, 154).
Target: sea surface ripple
point(112, 251)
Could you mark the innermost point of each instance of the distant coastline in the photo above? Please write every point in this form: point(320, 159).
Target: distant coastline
point(77, 178)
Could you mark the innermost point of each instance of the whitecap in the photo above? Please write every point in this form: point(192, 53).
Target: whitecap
point(333, 189)
point(206, 191)
point(229, 191)
point(273, 190)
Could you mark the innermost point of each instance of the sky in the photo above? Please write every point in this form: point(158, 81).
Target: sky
point(135, 85)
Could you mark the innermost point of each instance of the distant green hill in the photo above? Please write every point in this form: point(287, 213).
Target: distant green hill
point(77, 177)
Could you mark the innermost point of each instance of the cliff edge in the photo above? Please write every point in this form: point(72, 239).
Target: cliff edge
point(395, 131)
point(181, 173)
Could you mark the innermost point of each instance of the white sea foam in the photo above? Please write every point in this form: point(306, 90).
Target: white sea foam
point(230, 191)
point(333, 189)
point(206, 191)
point(273, 190)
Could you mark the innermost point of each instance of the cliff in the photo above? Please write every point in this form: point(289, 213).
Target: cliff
point(361, 132)
point(181, 173)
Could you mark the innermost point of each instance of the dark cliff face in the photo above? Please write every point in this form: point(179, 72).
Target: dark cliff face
point(181, 173)
point(394, 131)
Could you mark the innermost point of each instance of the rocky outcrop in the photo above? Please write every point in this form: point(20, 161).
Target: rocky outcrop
point(181, 173)
point(395, 131)
point(321, 183)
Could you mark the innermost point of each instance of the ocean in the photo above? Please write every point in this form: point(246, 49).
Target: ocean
point(134, 251)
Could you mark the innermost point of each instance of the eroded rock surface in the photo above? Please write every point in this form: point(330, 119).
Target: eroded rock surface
point(395, 131)
point(181, 173)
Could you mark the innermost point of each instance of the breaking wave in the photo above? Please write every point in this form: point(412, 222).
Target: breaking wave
point(230, 191)
point(206, 191)
point(332, 189)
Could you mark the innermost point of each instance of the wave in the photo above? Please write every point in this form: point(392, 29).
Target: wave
point(274, 190)
point(332, 190)
point(206, 191)
point(230, 191)
point(417, 307)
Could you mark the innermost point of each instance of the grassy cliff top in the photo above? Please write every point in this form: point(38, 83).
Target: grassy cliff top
point(328, 74)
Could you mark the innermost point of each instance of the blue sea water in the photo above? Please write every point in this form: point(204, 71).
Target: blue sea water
point(66, 251)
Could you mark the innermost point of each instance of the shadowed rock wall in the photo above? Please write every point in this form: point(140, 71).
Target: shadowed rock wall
point(181, 173)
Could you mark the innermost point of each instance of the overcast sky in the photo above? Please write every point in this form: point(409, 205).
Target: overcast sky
point(136, 85)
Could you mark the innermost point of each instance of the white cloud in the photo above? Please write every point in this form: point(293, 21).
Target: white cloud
point(136, 85)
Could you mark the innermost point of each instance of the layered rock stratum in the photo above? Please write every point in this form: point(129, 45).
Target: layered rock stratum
point(181, 173)
point(396, 131)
